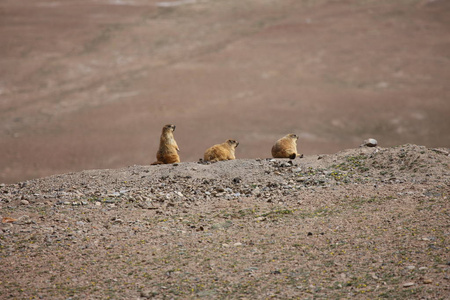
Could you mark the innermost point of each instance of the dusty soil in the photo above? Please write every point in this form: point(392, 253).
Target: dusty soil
point(364, 223)
point(89, 84)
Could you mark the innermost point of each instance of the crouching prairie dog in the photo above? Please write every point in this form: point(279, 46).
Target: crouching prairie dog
point(224, 151)
point(286, 147)
point(168, 148)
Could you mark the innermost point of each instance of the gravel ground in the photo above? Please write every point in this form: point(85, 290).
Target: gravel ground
point(361, 223)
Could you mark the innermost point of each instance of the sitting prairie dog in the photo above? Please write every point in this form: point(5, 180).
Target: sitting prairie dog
point(286, 147)
point(168, 148)
point(224, 151)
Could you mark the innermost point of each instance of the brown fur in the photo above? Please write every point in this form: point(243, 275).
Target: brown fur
point(224, 151)
point(168, 148)
point(286, 147)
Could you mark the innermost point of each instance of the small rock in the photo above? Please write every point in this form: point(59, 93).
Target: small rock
point(24, 202)
point(427, 281)
point(370, 143)
point(24, 220)
point(423, 268)
point(408, 284)
point(237, 180)
point(237, 244)
point(411, 267)
point(148, 294)
point(301, 179)
point(8, 220)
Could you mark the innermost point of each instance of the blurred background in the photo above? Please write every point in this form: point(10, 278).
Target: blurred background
point(89, 84)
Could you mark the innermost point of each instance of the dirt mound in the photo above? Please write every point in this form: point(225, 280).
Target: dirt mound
point(362, 223)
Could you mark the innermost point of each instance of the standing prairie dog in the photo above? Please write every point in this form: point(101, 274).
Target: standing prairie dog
point(224, 151)
point(286, 147)
point(168, 148)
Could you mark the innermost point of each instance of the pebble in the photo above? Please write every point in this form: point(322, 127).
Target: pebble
point(24, 220)
point(408, 284)
point(370, 143)
point(411, 267)
point(427, 281)
point(237, 180)
point(24, 202)
point(148, 294)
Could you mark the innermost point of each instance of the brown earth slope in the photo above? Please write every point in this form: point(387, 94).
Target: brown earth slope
point(89, 84)
point(366, 223)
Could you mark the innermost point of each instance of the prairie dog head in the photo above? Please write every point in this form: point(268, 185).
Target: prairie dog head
point(233, 144)
point(292, 136)
point(168, 128)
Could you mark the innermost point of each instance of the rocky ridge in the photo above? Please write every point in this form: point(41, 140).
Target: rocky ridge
point(208, 230)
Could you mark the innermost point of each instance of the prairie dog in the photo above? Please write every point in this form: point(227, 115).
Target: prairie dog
point(286, 147)
point(224, 151)
point(168, 148)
